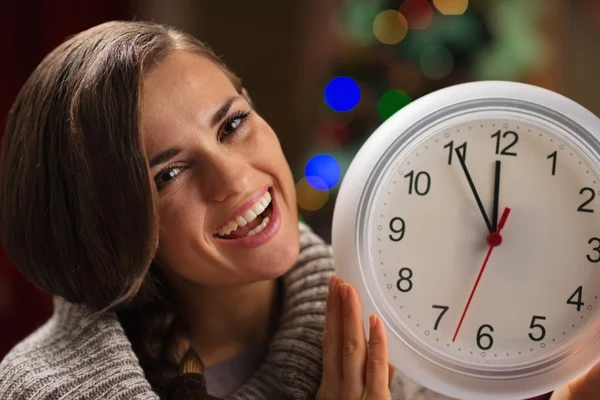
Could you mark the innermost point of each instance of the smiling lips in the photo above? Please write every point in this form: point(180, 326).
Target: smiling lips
point(250, 218)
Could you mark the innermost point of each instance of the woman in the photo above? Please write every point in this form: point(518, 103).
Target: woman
point(140, 188)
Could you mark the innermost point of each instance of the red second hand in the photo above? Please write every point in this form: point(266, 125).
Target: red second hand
point(494, 239)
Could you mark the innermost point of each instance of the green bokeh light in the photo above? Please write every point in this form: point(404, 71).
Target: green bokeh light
point(436, 62)
point(358, 21)
point(392, 101)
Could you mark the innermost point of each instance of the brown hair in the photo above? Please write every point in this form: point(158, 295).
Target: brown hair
point(77, 203)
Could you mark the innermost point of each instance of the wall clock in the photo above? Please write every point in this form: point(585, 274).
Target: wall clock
point(470, 222)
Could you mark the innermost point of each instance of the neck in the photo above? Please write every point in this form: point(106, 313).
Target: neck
point(225, 321)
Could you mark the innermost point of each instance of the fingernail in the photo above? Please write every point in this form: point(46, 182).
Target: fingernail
point(336, 283)
point(372, 321)
point(345, 291)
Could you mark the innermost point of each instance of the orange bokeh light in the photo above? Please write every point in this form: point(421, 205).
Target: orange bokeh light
point(390, 27)
point(451, 7)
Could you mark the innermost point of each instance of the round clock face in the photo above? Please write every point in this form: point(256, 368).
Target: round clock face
point(429, 239)
point(470, 222)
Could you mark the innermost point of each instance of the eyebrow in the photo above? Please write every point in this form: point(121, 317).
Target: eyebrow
point(164, 156)
point(173, 151)
point(222, 112)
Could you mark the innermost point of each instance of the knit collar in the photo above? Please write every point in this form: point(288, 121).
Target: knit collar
point(293, 365)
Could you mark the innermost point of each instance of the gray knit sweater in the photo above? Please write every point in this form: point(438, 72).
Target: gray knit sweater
point(76, 356)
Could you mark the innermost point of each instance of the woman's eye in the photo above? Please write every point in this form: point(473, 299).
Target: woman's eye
point(168, 175)
point(232, 125)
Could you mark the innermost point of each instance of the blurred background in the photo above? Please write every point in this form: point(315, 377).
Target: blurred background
point(324, 73)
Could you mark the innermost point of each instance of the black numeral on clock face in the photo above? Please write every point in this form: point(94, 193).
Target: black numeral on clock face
point(596, 250)
point(511, 139)
point(397, 226)
point(592, 195)
point(462, 148)
point(485, 341)
point(405, 284)
point(439, 318)
point(420, 182)
point(553, 157)
point(540, 331)
point(575, 298)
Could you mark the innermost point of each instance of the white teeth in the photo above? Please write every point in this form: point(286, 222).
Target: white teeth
point(258, 208)
point(240, 221)
point(259, 228)
point(248, 216)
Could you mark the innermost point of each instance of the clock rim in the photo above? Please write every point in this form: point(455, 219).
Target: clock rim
point(346, 223)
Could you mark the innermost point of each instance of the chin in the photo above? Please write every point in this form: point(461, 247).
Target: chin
point(279, 256)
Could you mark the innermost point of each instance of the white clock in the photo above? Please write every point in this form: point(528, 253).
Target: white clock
point(470, 222)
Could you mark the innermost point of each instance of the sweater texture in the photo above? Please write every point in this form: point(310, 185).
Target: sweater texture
point(77, 356)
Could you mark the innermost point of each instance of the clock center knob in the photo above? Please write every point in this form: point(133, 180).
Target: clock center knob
point(494, 239)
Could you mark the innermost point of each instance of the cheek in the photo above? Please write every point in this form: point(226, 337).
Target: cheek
point(178, 219)
point(267, 152)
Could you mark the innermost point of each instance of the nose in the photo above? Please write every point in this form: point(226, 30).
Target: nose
point(224, 176)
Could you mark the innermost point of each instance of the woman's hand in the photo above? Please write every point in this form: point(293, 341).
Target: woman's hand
point(586, 387)
point(352, 368)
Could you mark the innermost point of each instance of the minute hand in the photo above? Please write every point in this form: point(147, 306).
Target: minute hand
point(474, 190)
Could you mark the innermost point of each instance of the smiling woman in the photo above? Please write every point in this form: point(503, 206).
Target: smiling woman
point(228, 157)
point(141, 188)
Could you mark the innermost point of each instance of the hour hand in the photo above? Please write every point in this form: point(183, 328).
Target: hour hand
point(496, 196)
point(474, 190)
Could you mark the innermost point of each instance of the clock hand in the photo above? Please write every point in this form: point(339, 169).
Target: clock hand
point(474, 190)
point(496, 197)
point(494, 239)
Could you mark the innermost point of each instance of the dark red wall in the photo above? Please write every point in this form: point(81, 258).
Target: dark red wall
point(28, 31)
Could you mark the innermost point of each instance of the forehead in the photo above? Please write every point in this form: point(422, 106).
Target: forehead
point(185, 88)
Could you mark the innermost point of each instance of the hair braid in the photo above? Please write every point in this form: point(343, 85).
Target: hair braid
point(162, 342)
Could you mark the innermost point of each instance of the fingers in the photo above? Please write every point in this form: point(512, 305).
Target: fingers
point(351, 368)
point(332, 345)
point(354, 342)
point(377, 374)
point(390, 375)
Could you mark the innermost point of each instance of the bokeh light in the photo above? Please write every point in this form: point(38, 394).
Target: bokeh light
point(308, 197)
point(390, 27)
point(418, 13)
point(451, 7)
point(436, 62)
point(357, 17)
point(322, 172)
point(342, 93)
point(392, 101)
point(405, 75)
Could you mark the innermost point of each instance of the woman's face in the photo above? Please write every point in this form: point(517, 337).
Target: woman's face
point(216, 164)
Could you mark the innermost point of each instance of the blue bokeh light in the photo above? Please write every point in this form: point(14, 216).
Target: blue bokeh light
point(322, 172)
point(342, 93)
